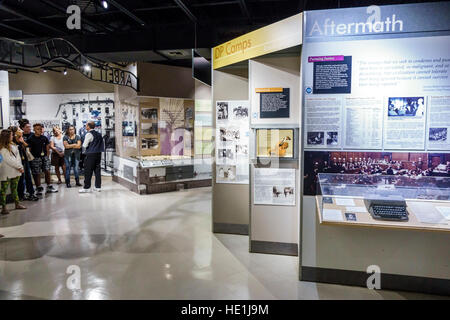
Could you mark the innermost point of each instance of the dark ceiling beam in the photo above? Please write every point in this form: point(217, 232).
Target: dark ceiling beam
point(186, 11)
point(244, 9)
point(85, 20)
point(17, 30)
point(127, 12)
point(15, 12)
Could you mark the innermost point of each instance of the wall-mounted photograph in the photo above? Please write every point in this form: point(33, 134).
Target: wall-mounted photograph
point(406, 107)
point(275, 143)
point(149, 113)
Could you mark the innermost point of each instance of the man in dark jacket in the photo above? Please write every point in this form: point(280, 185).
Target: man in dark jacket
point(93, 147)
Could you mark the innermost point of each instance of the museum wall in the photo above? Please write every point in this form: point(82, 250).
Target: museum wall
point(275, 71)
point(4, 95)
point(157, 80)
point(56, 83)
point(386, 112)
point(203, 130)
point(125, 110)
point(276, 224)
point(403, 252)
point(230, 201)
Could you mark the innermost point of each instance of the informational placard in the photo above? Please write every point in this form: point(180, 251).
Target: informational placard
point(323, 126)
point(332, 74)
point(274, 103)
point(274, 186)
point(359, 95)
point(439, 123)
point(363, 121)
point(232, 141)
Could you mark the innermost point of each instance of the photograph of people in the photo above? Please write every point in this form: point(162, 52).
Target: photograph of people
point(222, 110)
point(332, 138)
point(406, 107)
point(315, 138)
point(438, 134)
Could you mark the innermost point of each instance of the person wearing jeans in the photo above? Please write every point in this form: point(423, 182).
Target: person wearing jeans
point(72, 151)
point(94, 146)
point(27, 183)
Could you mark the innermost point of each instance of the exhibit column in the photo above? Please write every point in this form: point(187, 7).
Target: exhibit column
point(230, 209)
point(274, 168)
point(4, 96)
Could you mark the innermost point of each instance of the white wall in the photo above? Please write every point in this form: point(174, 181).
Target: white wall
point(45, 106)
point(275, 72)
point(4, 95)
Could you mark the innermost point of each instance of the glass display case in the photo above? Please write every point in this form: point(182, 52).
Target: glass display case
point(384, 201)
point(158, 135)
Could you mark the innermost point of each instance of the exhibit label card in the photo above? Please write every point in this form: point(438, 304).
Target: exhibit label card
point(332, 215)
point(274, 186)
point(274, 103)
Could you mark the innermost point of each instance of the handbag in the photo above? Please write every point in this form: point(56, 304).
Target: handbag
point(30, 157)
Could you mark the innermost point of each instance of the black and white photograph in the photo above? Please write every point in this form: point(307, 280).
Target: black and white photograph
point(438, 134)
point(240, 112)
point(229, 134)
point(149, 128)
point(149, 143)
point(406, 107)
point(332, 138)
point(222, 110)
point(315, 138)
point(242, 149)
point(226, 173)
point(282, 193)
point(149, 113)
point(226, 154)
point(129, 128)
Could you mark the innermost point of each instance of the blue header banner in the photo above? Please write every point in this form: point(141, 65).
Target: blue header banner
point(385, 21)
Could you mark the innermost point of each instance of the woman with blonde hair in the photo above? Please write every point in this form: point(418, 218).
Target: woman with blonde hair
point(57, 147)
point(10, 170)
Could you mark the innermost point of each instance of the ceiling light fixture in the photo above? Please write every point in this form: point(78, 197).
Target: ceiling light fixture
point(87, 68)
point(105, 4)
point(65, 72)
point(44, 70)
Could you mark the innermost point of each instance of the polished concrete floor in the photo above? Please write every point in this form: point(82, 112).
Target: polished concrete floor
point(128, 246)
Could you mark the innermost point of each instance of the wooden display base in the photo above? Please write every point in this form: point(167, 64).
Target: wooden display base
point(364, 219)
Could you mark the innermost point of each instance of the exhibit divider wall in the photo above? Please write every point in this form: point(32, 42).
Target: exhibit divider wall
point(162, 146)
point(230, 166)
point(376, 161)
point(274, 168)
point(235, 78)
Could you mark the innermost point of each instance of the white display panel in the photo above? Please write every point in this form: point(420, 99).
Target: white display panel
point(387, 94)
point(274, 186)
point(232, 141)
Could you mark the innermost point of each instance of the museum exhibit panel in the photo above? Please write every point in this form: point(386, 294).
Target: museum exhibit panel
point(271, 85)
point(165, 142)
point(376, 158)
point(230, 190)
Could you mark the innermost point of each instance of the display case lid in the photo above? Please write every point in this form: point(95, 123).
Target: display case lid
point(369, 186)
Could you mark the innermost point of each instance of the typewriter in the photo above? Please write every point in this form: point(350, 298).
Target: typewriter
point(389, 208)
